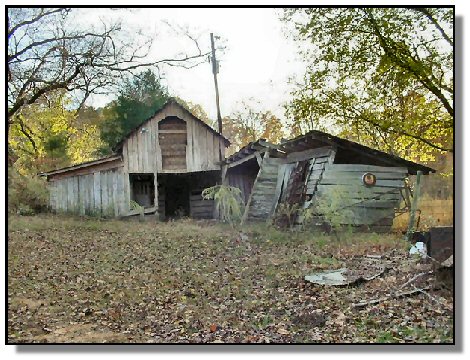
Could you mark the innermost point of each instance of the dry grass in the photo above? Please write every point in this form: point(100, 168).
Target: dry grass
point(434, 212)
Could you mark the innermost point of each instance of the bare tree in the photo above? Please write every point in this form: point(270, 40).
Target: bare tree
point(48, 51)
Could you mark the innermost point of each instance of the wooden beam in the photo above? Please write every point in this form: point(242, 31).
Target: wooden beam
point(242, 160)
point(258, 158)
point(172, 131)
point(146, 211)
point(309, 154)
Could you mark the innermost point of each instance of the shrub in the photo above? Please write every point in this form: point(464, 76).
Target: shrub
point(27, 194)
point(337, 207)
point(228, 202)
point(286, 214)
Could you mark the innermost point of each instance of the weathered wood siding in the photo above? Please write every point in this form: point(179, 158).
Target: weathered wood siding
point(142, 151)
point(263, 195)
point(173, 138)
point(242, 177)
point(100, 193)
point(371, 206)
point(200, 208)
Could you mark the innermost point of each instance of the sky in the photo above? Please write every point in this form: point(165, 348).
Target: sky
point(255, 67)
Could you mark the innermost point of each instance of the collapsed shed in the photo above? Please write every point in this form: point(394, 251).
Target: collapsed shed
point(362, 185)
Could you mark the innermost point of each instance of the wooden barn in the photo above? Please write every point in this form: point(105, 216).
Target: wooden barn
point(162, 165)
point(367, 184)
point(165, 163)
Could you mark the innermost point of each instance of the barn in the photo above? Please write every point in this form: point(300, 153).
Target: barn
point(365, 186)
point(162, 165)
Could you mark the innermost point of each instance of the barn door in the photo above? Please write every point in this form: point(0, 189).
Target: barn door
point(172, 137)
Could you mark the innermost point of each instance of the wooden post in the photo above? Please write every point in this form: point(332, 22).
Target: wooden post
point(414, 205)
point(215, 70)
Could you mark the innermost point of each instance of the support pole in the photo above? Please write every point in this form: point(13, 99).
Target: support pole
point(414, 205)
point(215, 70)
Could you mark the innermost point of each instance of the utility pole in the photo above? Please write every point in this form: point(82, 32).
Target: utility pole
point(215, 70)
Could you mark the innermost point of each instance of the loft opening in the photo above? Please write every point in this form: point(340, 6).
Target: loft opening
point(172, 138)
point(142, 187)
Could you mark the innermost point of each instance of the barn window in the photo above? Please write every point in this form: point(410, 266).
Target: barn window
point(172, 137)
point(142, 189)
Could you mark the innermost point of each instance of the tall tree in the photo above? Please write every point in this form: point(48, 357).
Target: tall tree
point(250, 124)
point(51, 135)
point(384, 76)
point(140, 96)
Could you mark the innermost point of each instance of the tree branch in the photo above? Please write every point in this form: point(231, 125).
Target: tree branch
point(34, 19)
point(428, 15)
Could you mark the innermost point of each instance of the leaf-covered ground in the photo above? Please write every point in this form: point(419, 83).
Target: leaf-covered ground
point(77, 280)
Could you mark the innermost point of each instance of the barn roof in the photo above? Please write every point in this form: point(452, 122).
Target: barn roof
point(85, 164)
point(316, 138)
point(169, 102)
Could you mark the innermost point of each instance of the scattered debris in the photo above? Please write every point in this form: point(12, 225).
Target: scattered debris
point(445, 273)
point(419, 249)
point(449, 262)
point(359, 270)
point(389, 296)
point(330, 277)
point(441, 242)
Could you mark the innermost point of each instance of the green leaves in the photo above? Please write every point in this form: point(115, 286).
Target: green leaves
point(380, 76)
point(228, 202)
point(139, 98)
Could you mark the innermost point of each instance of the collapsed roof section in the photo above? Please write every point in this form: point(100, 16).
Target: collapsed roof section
point(350, 152)
point(253, 150)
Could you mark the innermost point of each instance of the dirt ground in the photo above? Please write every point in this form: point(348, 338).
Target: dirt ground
point(88, 280)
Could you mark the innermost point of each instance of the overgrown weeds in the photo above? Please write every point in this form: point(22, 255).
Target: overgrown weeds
point(27, 194)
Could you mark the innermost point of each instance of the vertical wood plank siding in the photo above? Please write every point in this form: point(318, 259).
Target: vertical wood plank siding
point(99, 193)
point(142, 151)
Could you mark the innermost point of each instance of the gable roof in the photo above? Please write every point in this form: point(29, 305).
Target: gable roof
point(170, 101)
point(316, 138)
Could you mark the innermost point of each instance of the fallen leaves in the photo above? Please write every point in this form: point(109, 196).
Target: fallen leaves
point(72, 281)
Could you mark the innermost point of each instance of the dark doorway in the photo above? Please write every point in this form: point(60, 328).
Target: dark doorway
point(179, 195)
point(176, 196)
point(142, 189)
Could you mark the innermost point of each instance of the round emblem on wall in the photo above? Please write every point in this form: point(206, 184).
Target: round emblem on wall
point(369, 179)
